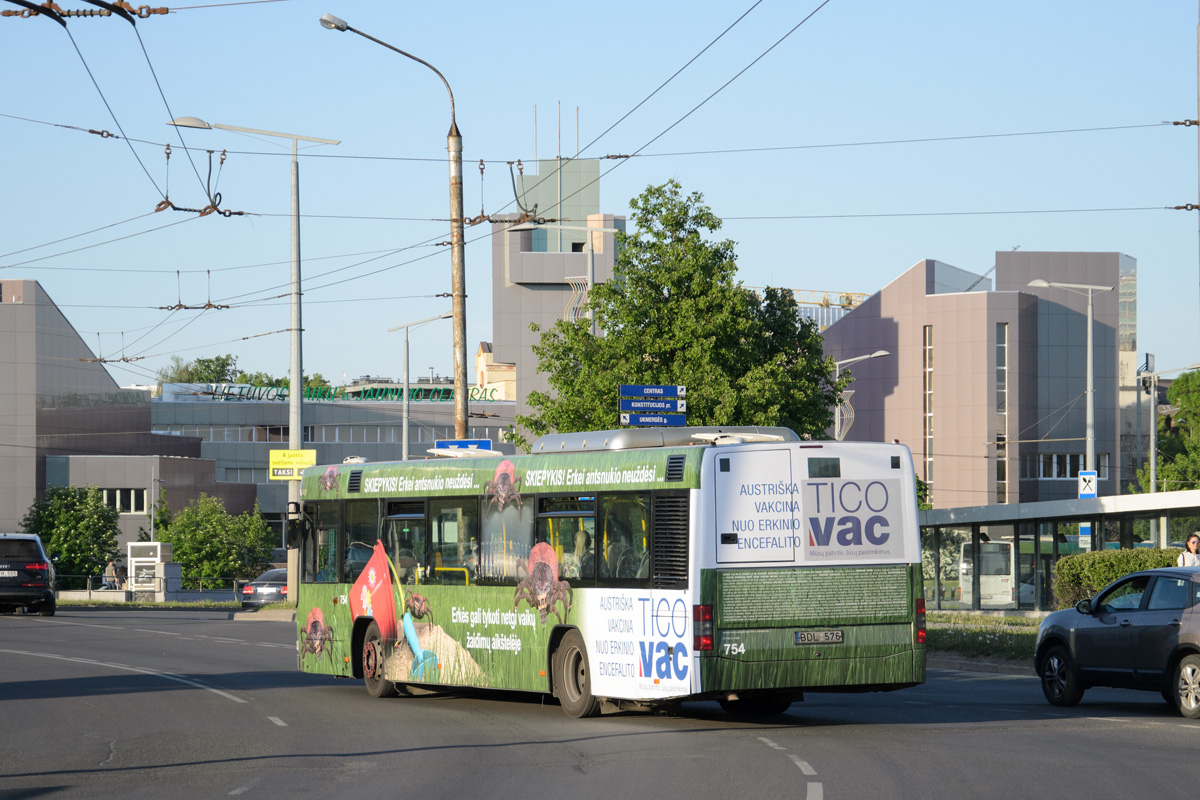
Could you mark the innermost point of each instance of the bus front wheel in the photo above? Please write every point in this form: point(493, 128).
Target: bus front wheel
point(573, 677)
point(372, 665)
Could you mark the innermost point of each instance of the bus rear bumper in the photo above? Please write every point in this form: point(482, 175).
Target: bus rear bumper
point(858, 674)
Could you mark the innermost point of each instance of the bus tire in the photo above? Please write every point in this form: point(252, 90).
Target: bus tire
point(573, 677)
point(1187, 687)
point(372, 664)
point(1060, 684)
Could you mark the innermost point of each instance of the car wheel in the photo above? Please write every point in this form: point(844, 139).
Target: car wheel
point(1060, 684)
point(573, 677)
point(1187, 687)
point(46, 609)
point(372, 664)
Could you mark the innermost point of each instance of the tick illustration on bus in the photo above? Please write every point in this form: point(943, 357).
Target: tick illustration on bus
point(613, 570)
point(541, 587)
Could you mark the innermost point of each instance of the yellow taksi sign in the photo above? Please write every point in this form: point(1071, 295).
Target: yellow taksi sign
point(287, 465)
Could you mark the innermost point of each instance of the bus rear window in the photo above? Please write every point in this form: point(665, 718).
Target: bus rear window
point(824, 468)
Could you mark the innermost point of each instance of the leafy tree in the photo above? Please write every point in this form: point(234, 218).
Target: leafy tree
point(310, 381)
point(674, 313)
point(76, 527)
point(161, 518)
point(178, 371)
point(1178, 445)
point(256, 379)
point(263, 379)
point(218, 369)
point(1184, 394)
point(209, 543)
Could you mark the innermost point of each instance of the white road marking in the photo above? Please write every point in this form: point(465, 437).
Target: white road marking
point(804, 766)
point(164, 633)
point(167, 675)
point(278, 721)
point(45, 621)
point(815, 791)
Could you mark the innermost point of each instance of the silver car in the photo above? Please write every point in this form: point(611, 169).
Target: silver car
point(1140, 632)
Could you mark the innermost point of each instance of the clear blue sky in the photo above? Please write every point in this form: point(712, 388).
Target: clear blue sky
point(839, 218)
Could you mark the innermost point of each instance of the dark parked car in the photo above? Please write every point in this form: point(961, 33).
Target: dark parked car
point(26, 575)
point(1141, 632)
point(270, 587)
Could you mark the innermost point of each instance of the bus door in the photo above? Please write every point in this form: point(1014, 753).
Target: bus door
point(756, 519)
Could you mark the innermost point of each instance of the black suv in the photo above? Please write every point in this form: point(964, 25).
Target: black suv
point(26, 575)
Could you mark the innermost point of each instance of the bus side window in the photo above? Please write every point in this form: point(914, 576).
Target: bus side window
point(507, 534)
point(622, 553)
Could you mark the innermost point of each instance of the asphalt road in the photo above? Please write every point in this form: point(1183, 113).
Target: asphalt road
point(154, 704)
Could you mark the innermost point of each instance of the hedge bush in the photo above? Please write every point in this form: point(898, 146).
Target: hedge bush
point(1081, 575)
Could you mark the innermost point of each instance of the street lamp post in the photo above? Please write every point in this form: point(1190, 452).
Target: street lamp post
point(296, 371)
point(1153, 376)
point(457, 268)
point(838, 433)
point(1089, 458)
point(404, 439)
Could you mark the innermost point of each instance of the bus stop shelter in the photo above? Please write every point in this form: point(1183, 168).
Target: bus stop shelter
point(1002, 557)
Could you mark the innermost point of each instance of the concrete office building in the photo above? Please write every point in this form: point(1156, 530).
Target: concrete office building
point(65, 421)
point(540, 275)
point(987, 386)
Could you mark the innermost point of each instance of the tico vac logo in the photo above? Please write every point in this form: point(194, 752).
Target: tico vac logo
point(857, 510)
point(666, 656)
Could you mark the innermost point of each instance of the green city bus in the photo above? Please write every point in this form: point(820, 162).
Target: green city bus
point(621, 569)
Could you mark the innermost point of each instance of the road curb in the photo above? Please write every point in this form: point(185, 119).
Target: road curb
point(980, 665)
point(274, 615)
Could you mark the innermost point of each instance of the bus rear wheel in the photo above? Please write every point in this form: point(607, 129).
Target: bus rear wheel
point(372, 665)
point(573, 677)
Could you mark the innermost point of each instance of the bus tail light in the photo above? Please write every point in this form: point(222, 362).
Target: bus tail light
point(702, 628)
point(921, 634)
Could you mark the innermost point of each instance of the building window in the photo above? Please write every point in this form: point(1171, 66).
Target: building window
point(1001, 412)
point(126, 501)
point(1065, 466)
point(927, 420)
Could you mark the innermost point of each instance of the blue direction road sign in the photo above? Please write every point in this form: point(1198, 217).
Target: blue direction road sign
point(635, 390)
point(462, 444)
point(650, 406)
point(658, 420)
